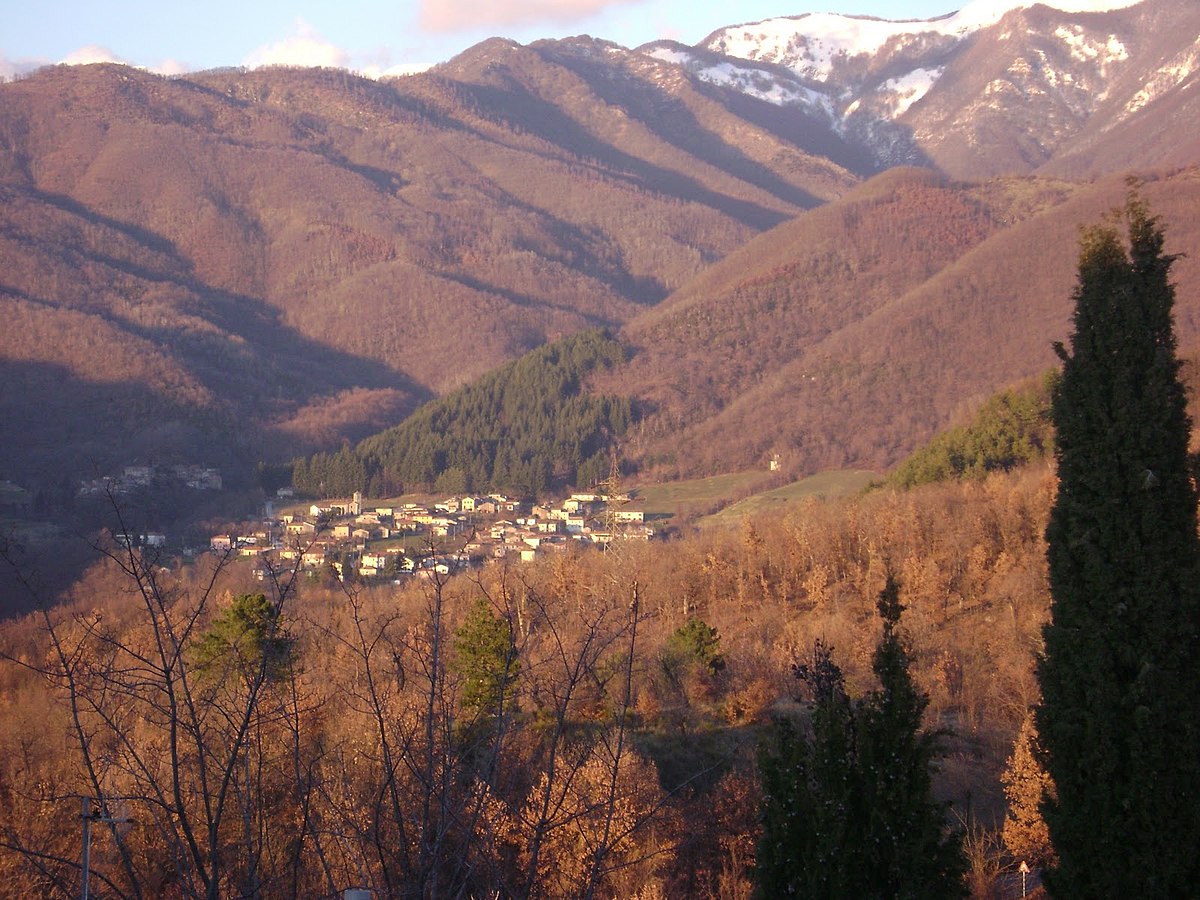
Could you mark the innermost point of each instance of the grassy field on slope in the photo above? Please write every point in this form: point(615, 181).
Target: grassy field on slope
point(721, 499)
point(838, 483)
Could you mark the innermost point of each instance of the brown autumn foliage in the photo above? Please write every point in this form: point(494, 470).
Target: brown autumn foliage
point(614, 768)
point(1026, 783)
point(253, 250)
point(854, 333)
point(254, 265)
point(238, 266)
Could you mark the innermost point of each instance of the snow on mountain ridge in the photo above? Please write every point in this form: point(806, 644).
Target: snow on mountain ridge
point(1086, 50)
point(911, 87)
point(811, 43)
point(878, 83)
point(1172, 73)
point(749, 79)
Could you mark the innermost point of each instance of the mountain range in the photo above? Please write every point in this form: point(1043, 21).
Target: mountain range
point(993, 89)
point(822, 237)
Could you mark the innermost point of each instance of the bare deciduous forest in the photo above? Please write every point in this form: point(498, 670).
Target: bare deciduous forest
point(549, 730)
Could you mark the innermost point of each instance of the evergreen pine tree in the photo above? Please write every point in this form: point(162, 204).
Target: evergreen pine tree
point(848, 807)
point(485, 660)
point(911, 855)
point(245, 638)
point(812, 842)
point(1119, 716)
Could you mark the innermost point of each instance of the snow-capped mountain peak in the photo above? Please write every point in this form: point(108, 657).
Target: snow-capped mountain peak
point(813, 43)
point(1043, 68)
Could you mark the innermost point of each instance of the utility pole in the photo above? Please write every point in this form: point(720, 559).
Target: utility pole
point(88, 818)
point(614, 497)
point(87, 846)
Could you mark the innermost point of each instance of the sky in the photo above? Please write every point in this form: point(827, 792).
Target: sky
point(370, 36)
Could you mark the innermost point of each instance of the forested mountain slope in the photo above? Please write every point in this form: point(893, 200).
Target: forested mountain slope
point(851, 335)
point(527, 428)
point(239, 265)
point(288, 257)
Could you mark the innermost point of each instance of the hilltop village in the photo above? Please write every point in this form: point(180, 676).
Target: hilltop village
point(361, 541)
point(354, 538)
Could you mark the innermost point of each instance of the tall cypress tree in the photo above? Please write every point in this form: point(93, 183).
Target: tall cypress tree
point(1119, 715)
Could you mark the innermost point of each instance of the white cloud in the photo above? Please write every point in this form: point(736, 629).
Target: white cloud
point(84, 56)
point(8, 69)
point(171, 67)
point(379, 63)
point(464, 15)
point(92, 53)
point(304, 47)
point(378, 72)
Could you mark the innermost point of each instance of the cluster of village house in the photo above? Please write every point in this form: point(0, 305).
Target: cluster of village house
point(199, 478)
point(382, 541)
point(18, 513)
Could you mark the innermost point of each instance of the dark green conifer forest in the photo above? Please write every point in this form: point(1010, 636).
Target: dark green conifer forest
point(526, 427)
point(1011, 429)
